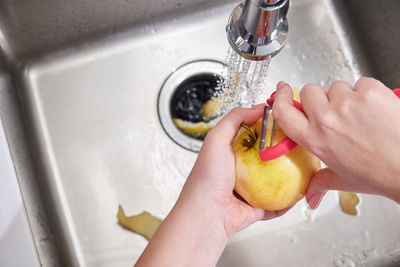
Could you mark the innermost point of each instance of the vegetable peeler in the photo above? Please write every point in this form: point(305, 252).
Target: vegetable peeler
point(270, 152)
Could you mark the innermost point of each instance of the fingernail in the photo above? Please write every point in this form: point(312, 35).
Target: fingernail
point(280, 85)
point(315, 199)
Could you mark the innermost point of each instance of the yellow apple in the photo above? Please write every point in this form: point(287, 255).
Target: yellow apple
point(275, 184)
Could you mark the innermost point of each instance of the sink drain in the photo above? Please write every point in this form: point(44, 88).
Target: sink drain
point(181, 100)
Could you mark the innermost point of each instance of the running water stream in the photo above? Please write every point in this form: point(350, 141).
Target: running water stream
point(243, 84)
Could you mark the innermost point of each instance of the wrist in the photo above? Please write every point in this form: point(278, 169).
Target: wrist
point(204, 229)
point(189, 236)
point(202, 213)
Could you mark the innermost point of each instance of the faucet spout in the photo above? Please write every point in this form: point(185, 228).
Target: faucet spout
point(258, 29)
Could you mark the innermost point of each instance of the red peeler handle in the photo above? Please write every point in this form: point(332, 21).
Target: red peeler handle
point(287, 144)
point(397, 92)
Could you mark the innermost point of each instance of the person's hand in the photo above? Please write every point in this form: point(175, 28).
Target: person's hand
point(207, 212)
point(213, 176)
point(354, 130)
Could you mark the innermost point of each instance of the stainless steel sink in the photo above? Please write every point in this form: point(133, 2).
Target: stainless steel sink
point(78, 94)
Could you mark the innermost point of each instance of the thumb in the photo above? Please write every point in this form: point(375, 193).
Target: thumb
point(228, 127)
point(324, 180)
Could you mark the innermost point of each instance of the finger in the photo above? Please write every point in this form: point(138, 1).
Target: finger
point(280, 85)
point(292, 121)
point(257, 214)
point(314, 98)
point(268, 215)
point(366, 83)
point(258, 106)
point(252, 214)
point(339, 90)
point(322, 181)
point(228, 127)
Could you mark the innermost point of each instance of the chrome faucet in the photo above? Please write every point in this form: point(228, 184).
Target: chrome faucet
point(258, 29)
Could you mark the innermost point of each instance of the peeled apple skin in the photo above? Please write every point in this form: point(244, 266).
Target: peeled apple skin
point(275, 184)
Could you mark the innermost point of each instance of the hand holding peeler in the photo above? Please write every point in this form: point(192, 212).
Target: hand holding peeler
point(270, 152)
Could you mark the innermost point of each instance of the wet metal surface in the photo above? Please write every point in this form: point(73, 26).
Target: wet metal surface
point(81, 118)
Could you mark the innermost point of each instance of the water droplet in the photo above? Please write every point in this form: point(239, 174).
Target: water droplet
point(244, 83)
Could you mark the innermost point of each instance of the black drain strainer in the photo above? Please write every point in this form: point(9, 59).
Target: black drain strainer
point(182, 97)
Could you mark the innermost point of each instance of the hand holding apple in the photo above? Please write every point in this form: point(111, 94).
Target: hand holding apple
point(213, 175)
point(275, 184)
point(207, 212)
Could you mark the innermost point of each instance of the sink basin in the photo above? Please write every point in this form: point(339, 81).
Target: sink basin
point(79, 83)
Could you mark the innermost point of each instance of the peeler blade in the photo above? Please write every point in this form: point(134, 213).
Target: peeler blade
point(264, 128)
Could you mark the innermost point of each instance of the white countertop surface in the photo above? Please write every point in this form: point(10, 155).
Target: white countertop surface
point(16, 241)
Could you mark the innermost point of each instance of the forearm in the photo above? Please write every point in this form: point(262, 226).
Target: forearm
point(190, 236)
